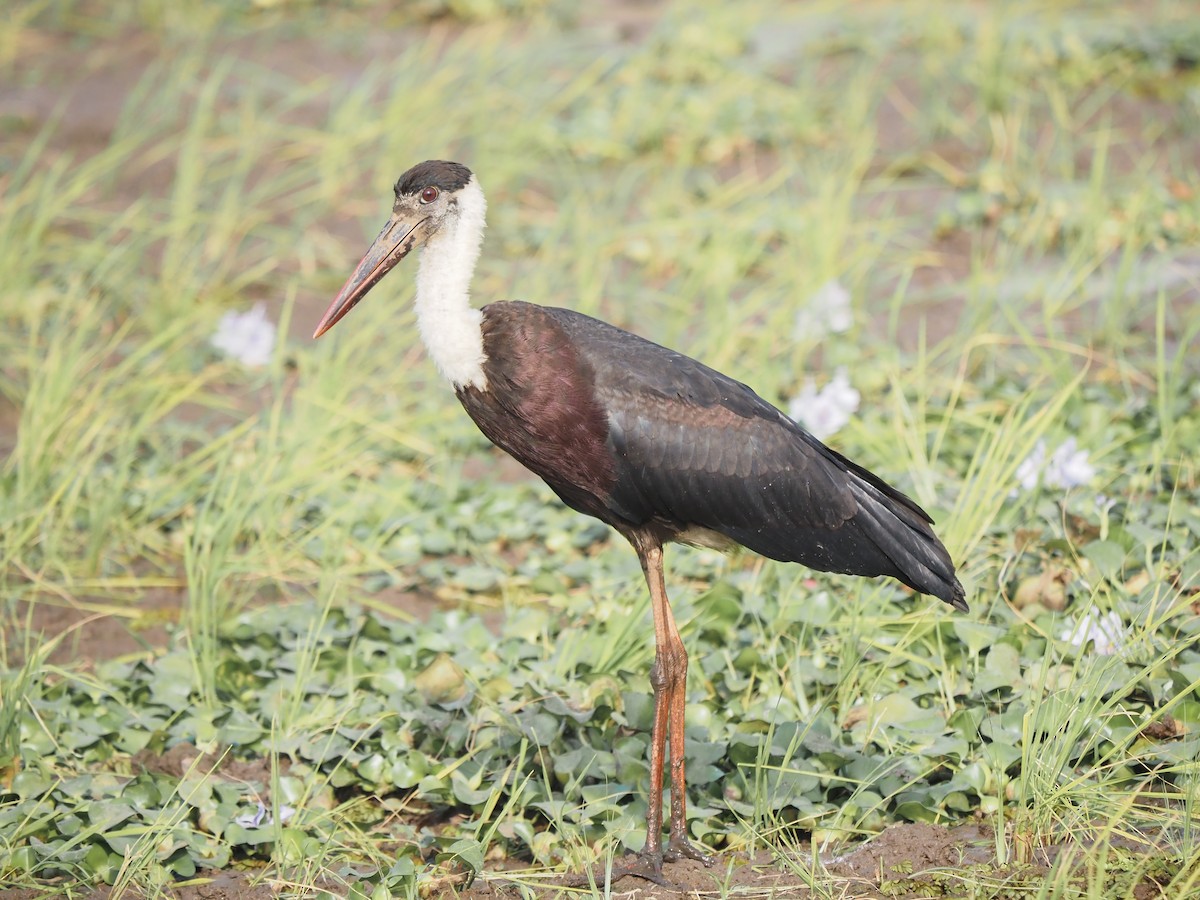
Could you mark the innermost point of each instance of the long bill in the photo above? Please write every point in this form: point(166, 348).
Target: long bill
point(393, 244)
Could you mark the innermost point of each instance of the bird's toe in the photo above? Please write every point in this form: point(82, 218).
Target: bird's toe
point(647, 866)
point(679, 847)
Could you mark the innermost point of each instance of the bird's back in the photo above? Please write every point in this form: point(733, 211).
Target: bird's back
point(642, 436)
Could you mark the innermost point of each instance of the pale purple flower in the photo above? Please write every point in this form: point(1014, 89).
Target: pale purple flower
point(825, 411)
point(827, 312)
point(261, 817)
point(1105, 632)
point(248, 337)
point(1067, 467)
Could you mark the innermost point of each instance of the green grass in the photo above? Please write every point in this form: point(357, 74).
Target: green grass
point(1011, 201)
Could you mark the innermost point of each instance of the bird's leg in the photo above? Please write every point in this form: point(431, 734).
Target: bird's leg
point(663, 681)
point(658, 746)
point(668, 677)
point(671, 660)
point(648, 863)
point(678, 846)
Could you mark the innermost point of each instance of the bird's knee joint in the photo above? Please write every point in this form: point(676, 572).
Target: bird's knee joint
point(658, 677)
point(676, 665)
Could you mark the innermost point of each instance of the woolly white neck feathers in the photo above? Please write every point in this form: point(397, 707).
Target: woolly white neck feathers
point(450, 328)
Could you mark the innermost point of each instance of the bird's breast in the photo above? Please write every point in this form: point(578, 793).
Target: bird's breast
point(540, 406)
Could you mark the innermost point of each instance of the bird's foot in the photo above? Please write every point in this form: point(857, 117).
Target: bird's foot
point(647, 865)
point(679, 847)
point(643, 865)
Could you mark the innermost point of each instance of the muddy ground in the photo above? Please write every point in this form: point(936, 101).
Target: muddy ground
point(904, 861)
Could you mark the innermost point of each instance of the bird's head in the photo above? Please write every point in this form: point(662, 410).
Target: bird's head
point(431, 198)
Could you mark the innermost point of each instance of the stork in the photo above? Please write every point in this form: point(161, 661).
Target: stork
point(650, 441)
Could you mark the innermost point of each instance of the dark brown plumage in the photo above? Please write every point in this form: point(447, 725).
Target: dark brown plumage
point(648, 440)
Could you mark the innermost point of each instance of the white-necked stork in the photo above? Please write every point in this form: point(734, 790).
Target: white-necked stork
point(654, 443)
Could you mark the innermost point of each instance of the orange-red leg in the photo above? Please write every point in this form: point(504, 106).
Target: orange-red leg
point(668, 677)
point(671, 663)
point(658, 741)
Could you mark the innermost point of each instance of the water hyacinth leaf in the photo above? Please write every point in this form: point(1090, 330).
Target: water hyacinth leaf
point(131, 740)
point(702, 753)
point(950, 747)
point(1001, 670)
point(639, 710)
point(240, 729)
point(143, 793)
point(241, 836)
point(977, 636)
point(597, 797)
point(172, 684)
point(408, 770)
point(630, 756)
point(466, 793)
point(554, 808)
point(917, 808)
point(88, 731)
point(516, 830)
point(704, 775)
point(207, 850)
point(785, 787)
point(1107, 556)
point(402, 868)
point(438, 542)
point(371, 768)
point(556, 706)
point(477, 578)
point(58, 852)
point(68, 825)
point(296, 846)
point(442, 681)
point(24, 860)
point(585, 760)
point(181, 865)
point(818, 610)
point(102, 864)
point(30, 782)
point(1002, 753)
point(604, 691)
point(899, 711)
point(723, 603)
point(539, 727)
point(104, 815)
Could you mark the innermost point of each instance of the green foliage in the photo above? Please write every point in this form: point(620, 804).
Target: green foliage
point(504, 730)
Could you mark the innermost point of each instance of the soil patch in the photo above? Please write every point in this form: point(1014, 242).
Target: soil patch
point(902, 853)
point(89, 632)
point(181, 759)
point(208, 885)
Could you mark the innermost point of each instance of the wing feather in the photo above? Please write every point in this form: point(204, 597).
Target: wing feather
point(697, 449)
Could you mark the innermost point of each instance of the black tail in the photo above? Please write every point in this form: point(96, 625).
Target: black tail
point(888, 534)
point(917, 557)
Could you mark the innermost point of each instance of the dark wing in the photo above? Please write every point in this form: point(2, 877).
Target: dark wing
point(695, 448)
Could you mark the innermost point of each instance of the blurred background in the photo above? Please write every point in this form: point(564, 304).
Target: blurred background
point(960, 242)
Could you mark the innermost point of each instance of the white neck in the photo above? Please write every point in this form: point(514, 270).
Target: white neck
point(449, 326)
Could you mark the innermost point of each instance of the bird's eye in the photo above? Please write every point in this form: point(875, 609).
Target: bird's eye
point(429, 195)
